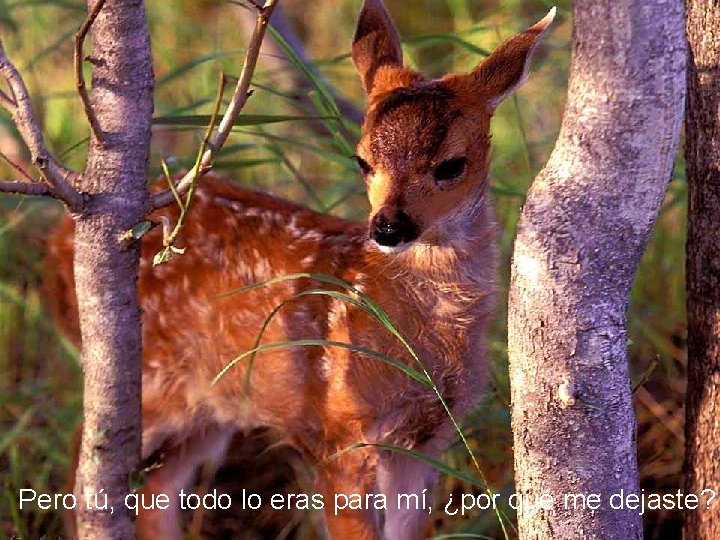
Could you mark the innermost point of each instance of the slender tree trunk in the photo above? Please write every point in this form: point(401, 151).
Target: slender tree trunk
point(702, 155)
point(584, 227)
point(108, 200)
point(106, 270)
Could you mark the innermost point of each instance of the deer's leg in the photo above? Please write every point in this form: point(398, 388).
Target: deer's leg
point(407, 477)
point(344, 477)
point(176, 473)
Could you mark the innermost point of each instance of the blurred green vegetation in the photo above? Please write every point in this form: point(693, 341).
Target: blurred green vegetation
point(306, 161)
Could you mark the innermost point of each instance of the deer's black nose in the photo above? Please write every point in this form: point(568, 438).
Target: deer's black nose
point(391, 227)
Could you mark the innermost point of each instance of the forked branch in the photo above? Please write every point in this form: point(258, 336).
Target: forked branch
point(79, 77)
point(240, 96)
point(18, 104)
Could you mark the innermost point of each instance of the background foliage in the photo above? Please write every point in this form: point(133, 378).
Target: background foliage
point(305, 160)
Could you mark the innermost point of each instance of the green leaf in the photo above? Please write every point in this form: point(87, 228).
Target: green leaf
point(343, 160)
point(162, 257)
point(184, 68)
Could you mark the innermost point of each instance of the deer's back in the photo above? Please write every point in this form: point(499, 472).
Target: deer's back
point(192, 327)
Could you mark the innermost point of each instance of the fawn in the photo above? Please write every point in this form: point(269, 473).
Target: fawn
point(427, 257)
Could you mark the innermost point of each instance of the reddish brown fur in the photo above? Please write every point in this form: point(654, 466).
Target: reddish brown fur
point(438, 291)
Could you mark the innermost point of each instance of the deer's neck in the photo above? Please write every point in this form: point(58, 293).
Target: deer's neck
point(450, 250)
point(450, 272)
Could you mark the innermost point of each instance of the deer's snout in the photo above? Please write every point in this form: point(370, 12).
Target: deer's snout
point(391, 227)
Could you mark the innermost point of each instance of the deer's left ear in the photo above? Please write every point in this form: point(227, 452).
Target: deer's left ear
point(507, 67)
point(376, 43)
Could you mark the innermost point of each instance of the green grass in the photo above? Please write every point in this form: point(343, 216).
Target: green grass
point(192, 43)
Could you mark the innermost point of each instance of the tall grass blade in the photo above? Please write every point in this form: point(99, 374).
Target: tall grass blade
point(243, 119)
point(306, 71)
point(322, 343)
point(430, 40)
point(17, 430)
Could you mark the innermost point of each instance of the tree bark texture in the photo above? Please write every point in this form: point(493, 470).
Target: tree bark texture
point(702, 154)
point(586, 222)
point(115, 181)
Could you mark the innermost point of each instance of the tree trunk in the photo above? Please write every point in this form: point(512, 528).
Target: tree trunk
point(702, 153)
point(106, 271)
point(587, 220)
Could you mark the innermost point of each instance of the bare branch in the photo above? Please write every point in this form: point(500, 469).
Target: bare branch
point(25, 188)
point(170, 238)
point(79, 78)
point(20, 107)
point(237, 102)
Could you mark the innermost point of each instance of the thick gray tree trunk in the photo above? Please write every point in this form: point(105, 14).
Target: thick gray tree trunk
point(586, 222)
point(106, 270)
point(702, 154)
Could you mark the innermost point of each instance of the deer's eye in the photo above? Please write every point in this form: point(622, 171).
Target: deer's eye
point(450, 169)
point(365, 167)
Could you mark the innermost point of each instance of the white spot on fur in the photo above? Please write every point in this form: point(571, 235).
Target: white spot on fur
point(391, 249)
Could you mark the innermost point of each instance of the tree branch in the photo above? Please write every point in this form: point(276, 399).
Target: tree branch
point(170, 238)
point(79, 77)
point(20, 107)
point(25, 188)
point(237, 102)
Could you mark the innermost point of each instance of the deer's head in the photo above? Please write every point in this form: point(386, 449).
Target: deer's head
point(425, 143)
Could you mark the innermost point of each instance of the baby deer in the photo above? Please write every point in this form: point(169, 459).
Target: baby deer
point(427, 257)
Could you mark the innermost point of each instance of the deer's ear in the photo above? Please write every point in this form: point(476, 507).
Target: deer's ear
point(376, 43)
point(507, 67)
